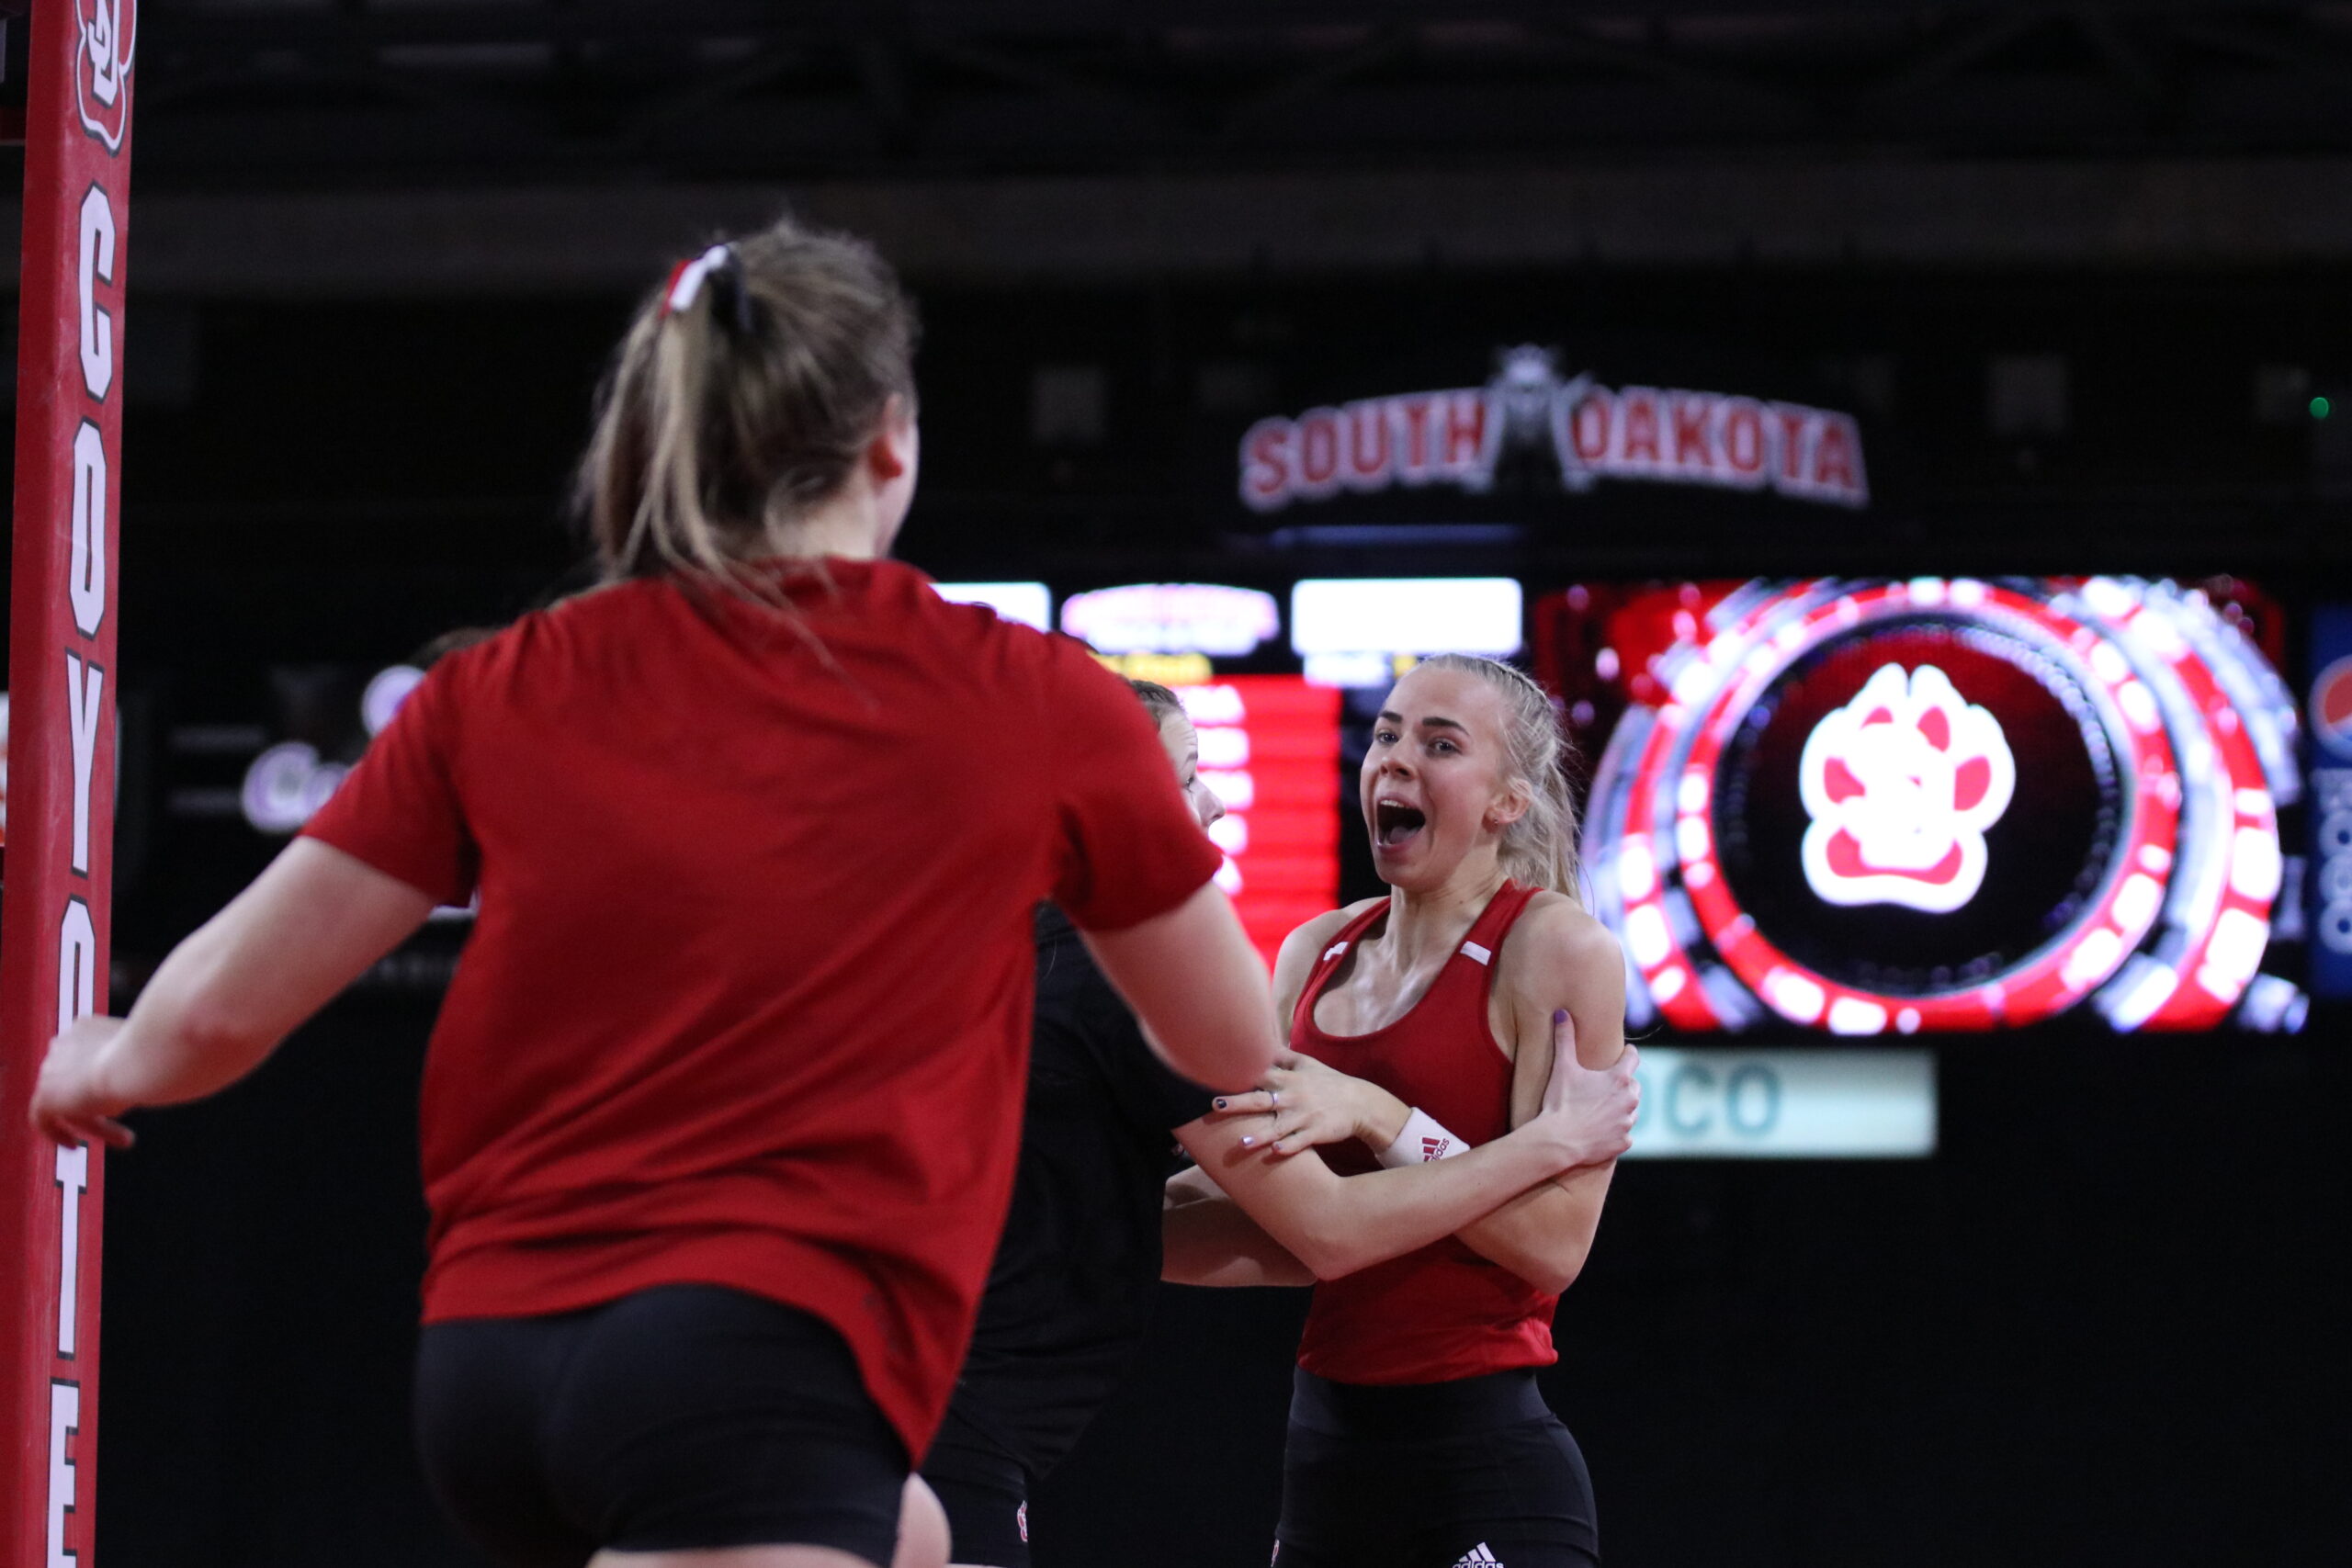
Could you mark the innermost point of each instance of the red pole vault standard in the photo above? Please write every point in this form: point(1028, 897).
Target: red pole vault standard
point(54, 914)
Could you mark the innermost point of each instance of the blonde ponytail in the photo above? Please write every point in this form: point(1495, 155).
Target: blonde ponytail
point(741, 399)
point(1539, 849)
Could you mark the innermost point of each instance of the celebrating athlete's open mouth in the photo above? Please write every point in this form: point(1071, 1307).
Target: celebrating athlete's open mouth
point(1394, 822)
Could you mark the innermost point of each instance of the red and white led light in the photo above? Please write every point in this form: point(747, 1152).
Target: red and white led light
point(2201, 731)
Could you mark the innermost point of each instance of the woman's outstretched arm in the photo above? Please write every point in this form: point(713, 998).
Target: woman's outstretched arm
point(310, 925)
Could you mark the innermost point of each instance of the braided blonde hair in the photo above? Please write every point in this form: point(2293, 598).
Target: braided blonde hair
point(1539, 849)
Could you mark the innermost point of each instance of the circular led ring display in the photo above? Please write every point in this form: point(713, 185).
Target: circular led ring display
point(2172, 931)
point(2066, 968)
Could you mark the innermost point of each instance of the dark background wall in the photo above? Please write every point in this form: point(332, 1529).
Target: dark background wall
point(378, 252)
point(2101, 1323)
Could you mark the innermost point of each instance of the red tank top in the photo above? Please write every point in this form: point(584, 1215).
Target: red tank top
point(1443, 1311)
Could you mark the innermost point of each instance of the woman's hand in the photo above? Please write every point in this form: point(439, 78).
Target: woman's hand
point(1307, 1103)
point(71, 1103)
point(1589, 1111)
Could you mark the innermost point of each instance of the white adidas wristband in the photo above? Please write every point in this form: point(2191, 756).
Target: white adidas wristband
point(1421, 1140)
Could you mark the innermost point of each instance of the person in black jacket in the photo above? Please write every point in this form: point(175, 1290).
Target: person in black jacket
point(1073, 1276)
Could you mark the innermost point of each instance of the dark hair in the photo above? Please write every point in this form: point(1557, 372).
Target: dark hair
point(453, 641)
point(723, 418)
point(1157, 698)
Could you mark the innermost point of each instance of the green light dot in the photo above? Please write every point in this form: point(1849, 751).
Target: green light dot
point(2320, 408)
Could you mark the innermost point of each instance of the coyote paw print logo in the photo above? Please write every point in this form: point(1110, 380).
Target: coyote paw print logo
point(1901, 784)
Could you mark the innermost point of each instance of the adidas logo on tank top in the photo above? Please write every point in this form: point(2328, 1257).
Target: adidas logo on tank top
point(1478, 1556)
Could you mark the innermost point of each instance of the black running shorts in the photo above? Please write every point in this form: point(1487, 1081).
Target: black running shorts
point(685, 1418)
point(1476, 1473)
point(985, 1493)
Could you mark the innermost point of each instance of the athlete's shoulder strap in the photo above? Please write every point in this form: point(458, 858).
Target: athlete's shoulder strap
point(1484, 945)
point(1494, 923)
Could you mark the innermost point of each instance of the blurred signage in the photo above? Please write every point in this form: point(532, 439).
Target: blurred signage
point(285, 784)
point(2331, 718)
point(1348, 630)
point(1717, 1104)
point(1027, 603)
point(1875, 807)
point(1270, 749)
point(1167, 669)
point(1561, 431)
point(1173, 617)
point(385, 692)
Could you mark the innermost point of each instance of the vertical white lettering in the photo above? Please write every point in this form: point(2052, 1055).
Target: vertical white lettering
point(98, 266)
point(77, 966)
point(64, 1421)
point(84, 684)
point(86, 578)
point(72, 1180)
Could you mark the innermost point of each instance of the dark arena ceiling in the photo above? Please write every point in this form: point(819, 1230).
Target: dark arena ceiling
point(261, 95)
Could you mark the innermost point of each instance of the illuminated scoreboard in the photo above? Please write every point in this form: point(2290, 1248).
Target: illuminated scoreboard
point(1270, 748)
point(1879, 807)
point(1270, 743)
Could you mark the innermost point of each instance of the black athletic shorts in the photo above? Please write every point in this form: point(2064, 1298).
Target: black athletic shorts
point(681, 1418)
point(1476, 1473)
point(985, 1493)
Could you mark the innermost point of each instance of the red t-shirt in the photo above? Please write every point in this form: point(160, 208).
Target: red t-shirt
point(747, 1002)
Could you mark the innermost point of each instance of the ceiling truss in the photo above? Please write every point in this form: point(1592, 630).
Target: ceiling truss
point(403, 93)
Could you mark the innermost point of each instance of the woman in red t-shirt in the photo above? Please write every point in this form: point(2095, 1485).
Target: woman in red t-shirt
point(1439, 1017)
point(720, 1112)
